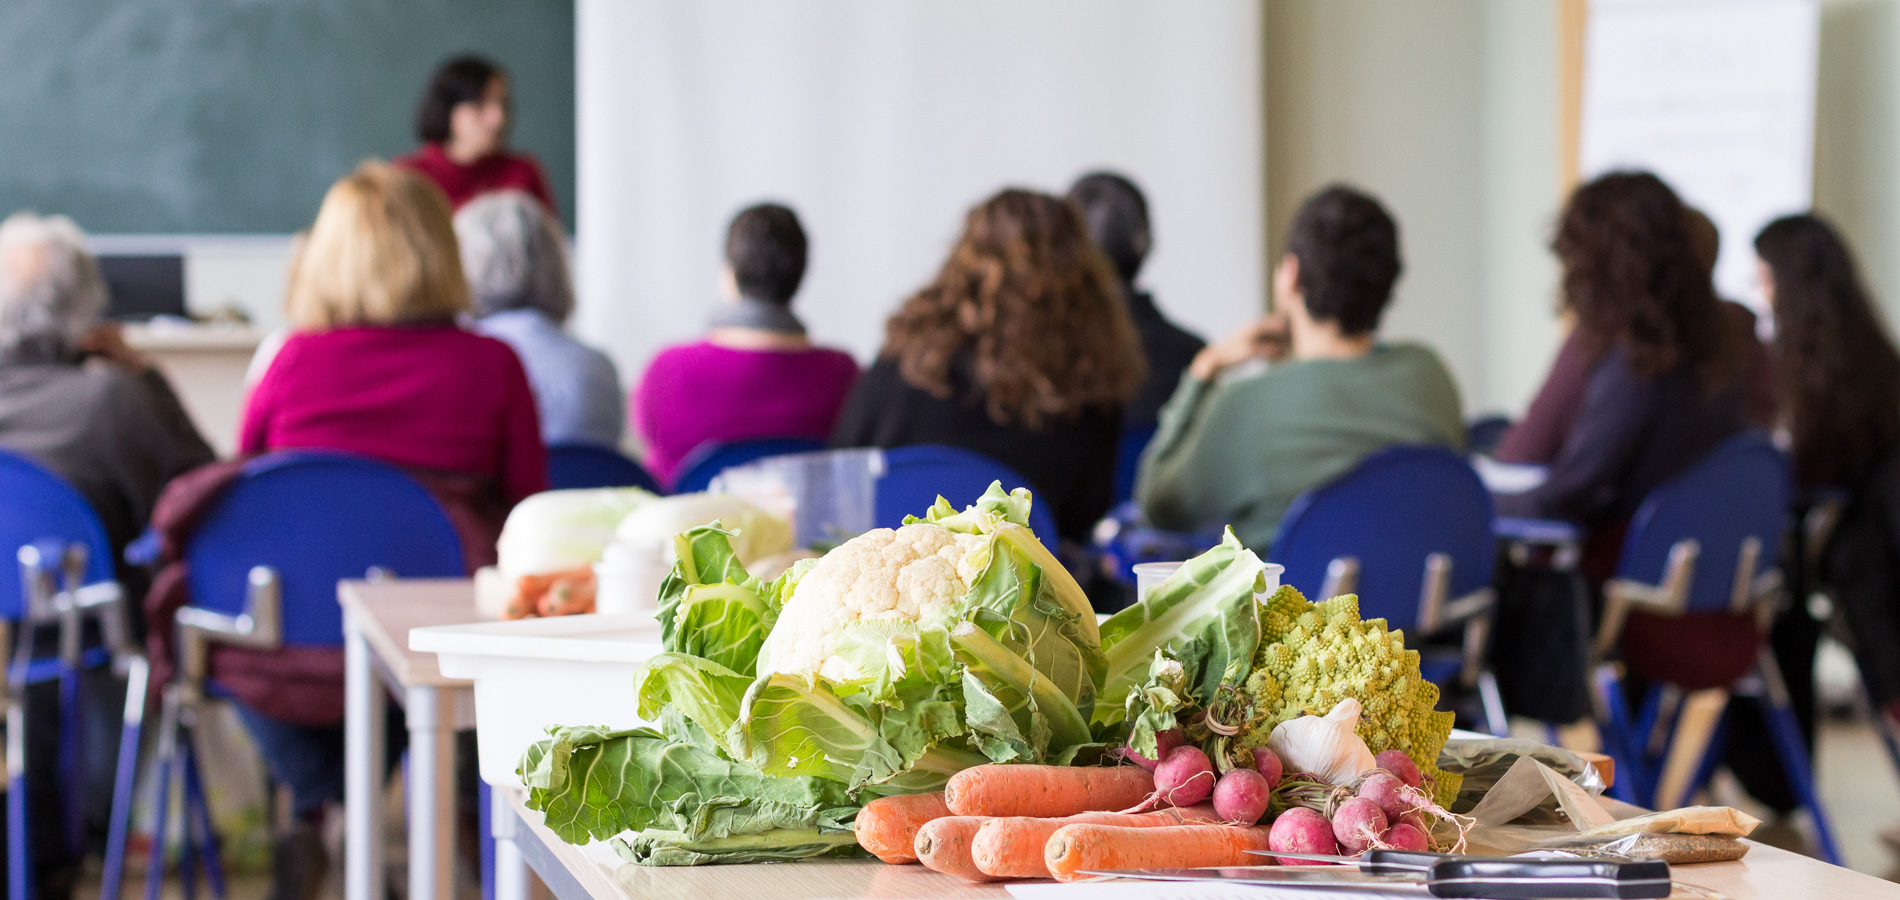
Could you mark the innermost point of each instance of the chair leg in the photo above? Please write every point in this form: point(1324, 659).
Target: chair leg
point(1493, 701)
point(72, 781)
point(1711, 759)
point(1785, 729)
point(162, 765)
point(487, 840)
point(19, 851)
point(124, 779)
point(1615, 729)
point(198, 813)
point(1694, 733)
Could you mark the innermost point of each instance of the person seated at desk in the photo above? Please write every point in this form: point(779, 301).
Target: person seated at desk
point(1536, 439)
point(1020, 349)
point(1237, 445)
point(72, 395)
point(515, 259)
point(1117, 218)
point(755, 374)
point(1666, 369)
point(463, 123)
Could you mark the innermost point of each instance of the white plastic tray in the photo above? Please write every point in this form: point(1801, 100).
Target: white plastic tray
point(567, 670)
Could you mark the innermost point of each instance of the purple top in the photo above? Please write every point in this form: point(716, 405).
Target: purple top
point(695, 393)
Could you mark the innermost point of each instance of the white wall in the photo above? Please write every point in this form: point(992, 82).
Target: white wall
point(881, 123)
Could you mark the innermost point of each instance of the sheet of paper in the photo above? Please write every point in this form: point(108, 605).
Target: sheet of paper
point(1189, 890)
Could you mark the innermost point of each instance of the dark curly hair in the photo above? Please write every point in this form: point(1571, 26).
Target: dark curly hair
point(1633, 279)
point(765, 246)
point(459, 80)
point(1033, 309)
point(1348, 248)
point(1837, 373)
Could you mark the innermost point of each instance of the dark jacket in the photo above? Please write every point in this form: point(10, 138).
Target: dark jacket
point(116, 436)
point(1069, 464)
point(1169, 349)
point(1862, 565)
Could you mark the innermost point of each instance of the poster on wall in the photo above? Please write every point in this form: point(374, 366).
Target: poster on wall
point(1717, 98)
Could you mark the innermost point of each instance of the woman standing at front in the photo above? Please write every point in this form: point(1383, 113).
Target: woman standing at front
point(463, 125)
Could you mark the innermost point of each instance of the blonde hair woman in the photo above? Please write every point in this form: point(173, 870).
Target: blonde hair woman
point(378, 366)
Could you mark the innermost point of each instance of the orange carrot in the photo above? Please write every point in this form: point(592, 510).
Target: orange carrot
point(944, 845)
point(1048, 791)
point(888, 826)
point(1011, 847)
point(1074, 848)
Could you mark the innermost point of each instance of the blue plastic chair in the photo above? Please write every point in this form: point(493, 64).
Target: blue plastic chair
point(705, 463)
point(65, 577)
point(572, 466)
point(1409, 530)
point(1128, 460)
point(1705, 541)
point(262, 571)
point(914, 477)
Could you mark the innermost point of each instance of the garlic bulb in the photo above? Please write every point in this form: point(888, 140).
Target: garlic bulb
point(1325, 746)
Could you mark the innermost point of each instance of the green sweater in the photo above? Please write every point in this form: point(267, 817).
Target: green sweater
point(1237, 451)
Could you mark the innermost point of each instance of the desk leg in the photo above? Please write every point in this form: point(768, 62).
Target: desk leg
point(364, 766)
point(431, 793)
point(511, 868)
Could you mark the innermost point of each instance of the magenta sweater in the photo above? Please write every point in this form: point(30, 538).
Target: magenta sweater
point(695, 393)
point(428, 396)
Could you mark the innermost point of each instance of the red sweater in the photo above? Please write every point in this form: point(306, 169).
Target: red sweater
point(424, 396)
point(495, 172)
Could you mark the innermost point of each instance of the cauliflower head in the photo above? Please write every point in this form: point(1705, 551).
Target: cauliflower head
point(1312, 656)
point(918, 573)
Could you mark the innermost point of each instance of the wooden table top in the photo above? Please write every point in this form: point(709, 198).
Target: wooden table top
point(1767, 873)
point(389, 609)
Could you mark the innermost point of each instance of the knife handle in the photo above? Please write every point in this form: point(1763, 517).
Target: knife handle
point(1536, 879)
point(1400, 862)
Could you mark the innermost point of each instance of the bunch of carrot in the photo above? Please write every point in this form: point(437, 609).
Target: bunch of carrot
point(1021, 821)
point(565, 592)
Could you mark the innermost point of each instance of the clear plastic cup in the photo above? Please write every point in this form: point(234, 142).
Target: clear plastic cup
point(1150, 575)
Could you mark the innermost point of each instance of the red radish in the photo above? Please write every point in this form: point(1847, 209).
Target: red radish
point(1267, 763)
point(1417, 820)
point(1405, 837)
point(1357, 824)
point(1302, 830)
point(1185, 777)
point(1393, 797)
point(1240, 797)
point(1396, 762)
point(1165, 742)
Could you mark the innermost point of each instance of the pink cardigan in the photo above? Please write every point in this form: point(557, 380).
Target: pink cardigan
point(423, 396)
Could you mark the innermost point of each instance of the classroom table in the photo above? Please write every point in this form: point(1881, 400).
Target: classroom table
point(377, 617)
point(592, 873)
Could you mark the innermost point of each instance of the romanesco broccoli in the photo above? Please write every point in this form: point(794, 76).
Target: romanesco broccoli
point(1314, 655)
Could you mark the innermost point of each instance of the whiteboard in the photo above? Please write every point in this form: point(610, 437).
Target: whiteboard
point(1717, 98)
point(881, 123)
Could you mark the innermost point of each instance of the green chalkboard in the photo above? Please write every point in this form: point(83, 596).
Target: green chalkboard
point(233, 116)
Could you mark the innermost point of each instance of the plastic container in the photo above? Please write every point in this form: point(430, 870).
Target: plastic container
point(627, 578)
point(830, 496)
point(1150, 575)
point(529, 674)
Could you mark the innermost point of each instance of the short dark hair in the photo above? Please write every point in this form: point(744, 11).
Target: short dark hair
point(460, 80)
point(765, 246)
point(1348, 248)
point(1116, 215)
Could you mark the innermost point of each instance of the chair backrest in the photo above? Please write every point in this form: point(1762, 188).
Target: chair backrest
point(1741, 489)
point(1128, 460)
point(708, 460)
point(317, 518)
point(572, 466)
point(1395, 509)
point(914, 477)
point(37, 505)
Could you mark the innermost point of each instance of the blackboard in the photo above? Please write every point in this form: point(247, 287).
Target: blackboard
point(234, 116)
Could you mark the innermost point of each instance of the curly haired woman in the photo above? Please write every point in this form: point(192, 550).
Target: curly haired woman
point(1665, 363)
point(1019, 349)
